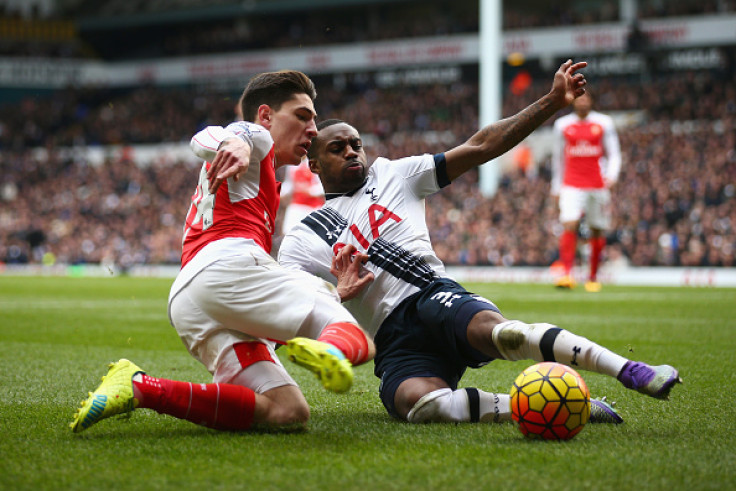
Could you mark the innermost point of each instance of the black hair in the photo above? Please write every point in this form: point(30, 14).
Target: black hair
point(328, 122)
point(273, 89)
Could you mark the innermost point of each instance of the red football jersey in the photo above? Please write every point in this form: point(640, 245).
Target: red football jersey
point(245, 208)
point(304, 186)
point(587, 150)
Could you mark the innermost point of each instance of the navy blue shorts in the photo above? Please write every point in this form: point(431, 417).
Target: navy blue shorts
point(426, 336)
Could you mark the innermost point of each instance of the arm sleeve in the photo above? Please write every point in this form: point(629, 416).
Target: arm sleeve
point(423, 174)
point(613, 152)
point(205, 143)
point(557, 161)
point(294, 253)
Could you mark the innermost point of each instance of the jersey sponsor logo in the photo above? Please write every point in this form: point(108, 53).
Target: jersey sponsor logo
point(328, 224)
point(584, 149)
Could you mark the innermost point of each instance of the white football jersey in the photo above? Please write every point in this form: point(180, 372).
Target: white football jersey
point(385, 218)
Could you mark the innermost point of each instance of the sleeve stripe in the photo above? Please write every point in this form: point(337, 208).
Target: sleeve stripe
point(441, 170)
point(208, 147)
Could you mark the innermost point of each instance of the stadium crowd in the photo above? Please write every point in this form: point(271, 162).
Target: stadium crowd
point(675, 202)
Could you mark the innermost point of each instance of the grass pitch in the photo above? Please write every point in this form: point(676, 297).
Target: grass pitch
point(58, 334)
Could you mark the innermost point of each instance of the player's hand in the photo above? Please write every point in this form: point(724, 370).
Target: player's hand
point(568, 84)
point(232, 160)
point(352, 276)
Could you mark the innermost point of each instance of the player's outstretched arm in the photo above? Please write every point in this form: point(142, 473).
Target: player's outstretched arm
point(498, 138)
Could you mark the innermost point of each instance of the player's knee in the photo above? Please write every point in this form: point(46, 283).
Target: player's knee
point(435, 406)
point(411, 392)
point(285, 414)
point(282, 408)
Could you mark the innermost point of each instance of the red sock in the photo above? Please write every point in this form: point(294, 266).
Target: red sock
point(218, 406)
point(568, 244)
point(349, 339)
point(596, 249)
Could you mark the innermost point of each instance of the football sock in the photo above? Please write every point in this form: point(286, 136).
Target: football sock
point(516, 340)
point(568, 244)
point(217, 406)
point(462, 405)
point(596, 249)
point(348, 338)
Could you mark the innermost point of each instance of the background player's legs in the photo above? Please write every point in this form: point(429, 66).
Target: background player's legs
point(597, 243)
point(598, 217)
point(572, 206)
point(568, 246)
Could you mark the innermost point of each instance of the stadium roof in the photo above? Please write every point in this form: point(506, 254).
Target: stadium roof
point(93, 14)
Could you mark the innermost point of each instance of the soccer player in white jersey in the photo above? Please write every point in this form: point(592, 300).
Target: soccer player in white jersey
point(231, 302)
point(586, 161)
point(428, 329)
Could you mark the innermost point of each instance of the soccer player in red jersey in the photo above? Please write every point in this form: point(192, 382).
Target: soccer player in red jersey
point(231, 302)
point(586, 162)
point(302, 192)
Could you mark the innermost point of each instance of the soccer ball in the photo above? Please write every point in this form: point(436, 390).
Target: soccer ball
point(550, 401)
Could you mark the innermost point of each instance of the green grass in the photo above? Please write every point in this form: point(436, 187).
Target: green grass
point(58, 334)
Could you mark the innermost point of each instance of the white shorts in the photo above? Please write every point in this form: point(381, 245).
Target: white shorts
point(251, 298)
point(595, 204)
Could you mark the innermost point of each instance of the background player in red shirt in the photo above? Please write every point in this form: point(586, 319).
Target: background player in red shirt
point(231, 302)
point(586, 162)
point(302, 193)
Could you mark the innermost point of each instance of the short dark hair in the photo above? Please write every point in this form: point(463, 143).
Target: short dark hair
point(273, 89)
point(328, 122)
point(312, 153)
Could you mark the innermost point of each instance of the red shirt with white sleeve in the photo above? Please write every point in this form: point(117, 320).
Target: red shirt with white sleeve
point(303, 186)
point(586, 153)
point(245, 208)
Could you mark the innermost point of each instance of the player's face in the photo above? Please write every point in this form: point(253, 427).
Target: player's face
point(341, 161)
point(582, 105)
point(292, 128)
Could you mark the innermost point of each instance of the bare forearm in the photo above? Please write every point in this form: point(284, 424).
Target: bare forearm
point(498, 138)
point(501, 136)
